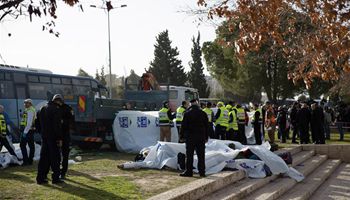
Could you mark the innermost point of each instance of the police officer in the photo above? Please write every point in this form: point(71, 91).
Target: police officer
point(180, 111)
point(51, 133)
point(165, 118)
point(27, 132)
point(4, 122)
point(68, 121)
point(195, 128)
point(210, 115)
point(230, 106)
point(221, 122)
point(242, 122)
point(257, 122)
point(232, 132)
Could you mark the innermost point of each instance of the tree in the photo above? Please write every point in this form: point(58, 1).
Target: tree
point(103, 76)
point(166, 67)
point(83, 73)
point(319, 49)
point(196, 76)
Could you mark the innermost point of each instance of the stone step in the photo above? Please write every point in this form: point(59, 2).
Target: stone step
point(293, 150)
point(337, 186)
point(246, 186)
point(278, 187)
point(305, 189)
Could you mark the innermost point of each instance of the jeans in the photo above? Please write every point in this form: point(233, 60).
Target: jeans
point(340, 129)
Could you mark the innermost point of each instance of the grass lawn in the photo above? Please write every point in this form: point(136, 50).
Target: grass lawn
point(97, 177)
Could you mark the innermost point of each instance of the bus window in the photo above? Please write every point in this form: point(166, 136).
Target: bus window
point(21, 92)
point(173, 94)
point(104, 93)
point(189, 95)
point(44, 79)
point(34, 79)
point(94, 85)
point(8, 76)
point(65, 90)
point(2, 76)
point(67, 81)
point(81, 82)
point(39, 91)
point(7, 90)
point(19, 78)
point(81, 90)
point(56, 80)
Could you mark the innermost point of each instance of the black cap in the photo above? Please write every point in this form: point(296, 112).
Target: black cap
point(193, 101)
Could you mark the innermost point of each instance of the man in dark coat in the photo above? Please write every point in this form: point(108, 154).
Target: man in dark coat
point(282, 124)
point(317, 124)
point(195, 128)
point(68, 120)
point(294, 121)
point(304, 117)
point(51, 133)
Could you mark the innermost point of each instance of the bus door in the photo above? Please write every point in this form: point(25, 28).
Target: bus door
point(21, 95)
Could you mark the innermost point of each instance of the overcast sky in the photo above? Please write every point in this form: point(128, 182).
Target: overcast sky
point(83, 41)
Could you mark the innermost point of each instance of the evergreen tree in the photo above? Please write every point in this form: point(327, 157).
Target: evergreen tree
point(166, 67)
point(196, 76)
point(97, 75)
point(83, 73)
point(103, 76)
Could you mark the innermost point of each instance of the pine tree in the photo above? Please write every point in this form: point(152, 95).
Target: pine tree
point(196, 76)
point(97, 76)
point(103, 76)
point(166, 67)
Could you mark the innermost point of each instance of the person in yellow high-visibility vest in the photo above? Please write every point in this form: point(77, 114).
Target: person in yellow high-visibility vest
point(242, 122)
point(232, 132)
point(257, 122)
point(221, 121)
point(210, 115)
point(165, 118)
point(180, 111)
point(4, 132)
point(27, 129)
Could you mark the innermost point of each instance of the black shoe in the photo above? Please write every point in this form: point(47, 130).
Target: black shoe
point(63, 177)
point(295, 142)
point(202, 175)
point(59, 181)
point(186, 174)
point(42, 181)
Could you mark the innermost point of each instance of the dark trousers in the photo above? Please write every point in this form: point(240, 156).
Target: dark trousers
point(257, 134)
point(49, 158)
point(304, 135)
point(211, 130)
point(199, 146)
point(340, 129)
point(327, 131)
point(65, 149)
point(4, 142)
point(318, 135)
point(295, 133)
point(28, 139)
point(242, 138)
point(220, 132)
point(282, 132)
point(232, 135)
point(180, 135)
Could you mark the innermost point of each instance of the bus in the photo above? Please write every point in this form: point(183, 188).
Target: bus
point(94, 113)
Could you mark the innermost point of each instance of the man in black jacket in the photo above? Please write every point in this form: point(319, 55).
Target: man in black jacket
point(195, 128)
point(51, 132)
point(68, 120)
point(304, 117)
point(294, 121)
point(317, 124)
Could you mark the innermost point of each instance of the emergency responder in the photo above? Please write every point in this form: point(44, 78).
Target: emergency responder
point(229, 106)
point(210, 115)
point(257, 122)
point(195, 128)
point(68, 121)
point(221, 121)
point(4, 122)
point(27, 132)
point(165, 119)
point(180, 111)
point(232, 132)
point(242, 122)
point(51, 133)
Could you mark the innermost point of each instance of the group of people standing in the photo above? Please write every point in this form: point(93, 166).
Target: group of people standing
point(53, 121)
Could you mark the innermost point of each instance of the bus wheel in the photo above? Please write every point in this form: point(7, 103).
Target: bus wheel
point(90, 145)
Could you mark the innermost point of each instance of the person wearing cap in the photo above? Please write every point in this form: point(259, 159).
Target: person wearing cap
point(4, 132)
point(67, 124)
point(221, 121)
point(180, 111)
point(195, 130)
point(242, 122)
point(50, 117)
point(27, 132)
point(165, 117)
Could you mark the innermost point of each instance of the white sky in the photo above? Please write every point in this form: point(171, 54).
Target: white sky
point(83, 41)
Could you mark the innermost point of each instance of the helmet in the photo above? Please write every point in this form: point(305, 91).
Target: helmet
point(57, 97)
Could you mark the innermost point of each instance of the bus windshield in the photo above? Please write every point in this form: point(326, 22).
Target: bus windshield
point(189, 95)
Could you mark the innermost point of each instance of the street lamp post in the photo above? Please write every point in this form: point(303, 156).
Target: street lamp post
point(109, 7)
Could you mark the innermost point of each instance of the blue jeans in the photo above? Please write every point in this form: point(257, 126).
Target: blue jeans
point(340, 129)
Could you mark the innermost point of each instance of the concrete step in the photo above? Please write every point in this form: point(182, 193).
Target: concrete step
point(293, 150)
point(201, 187)
point(337, 186)
point(278, 187)
point(305, 189)
point(246, 186)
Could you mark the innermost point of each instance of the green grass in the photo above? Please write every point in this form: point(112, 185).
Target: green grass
point(97, 177)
